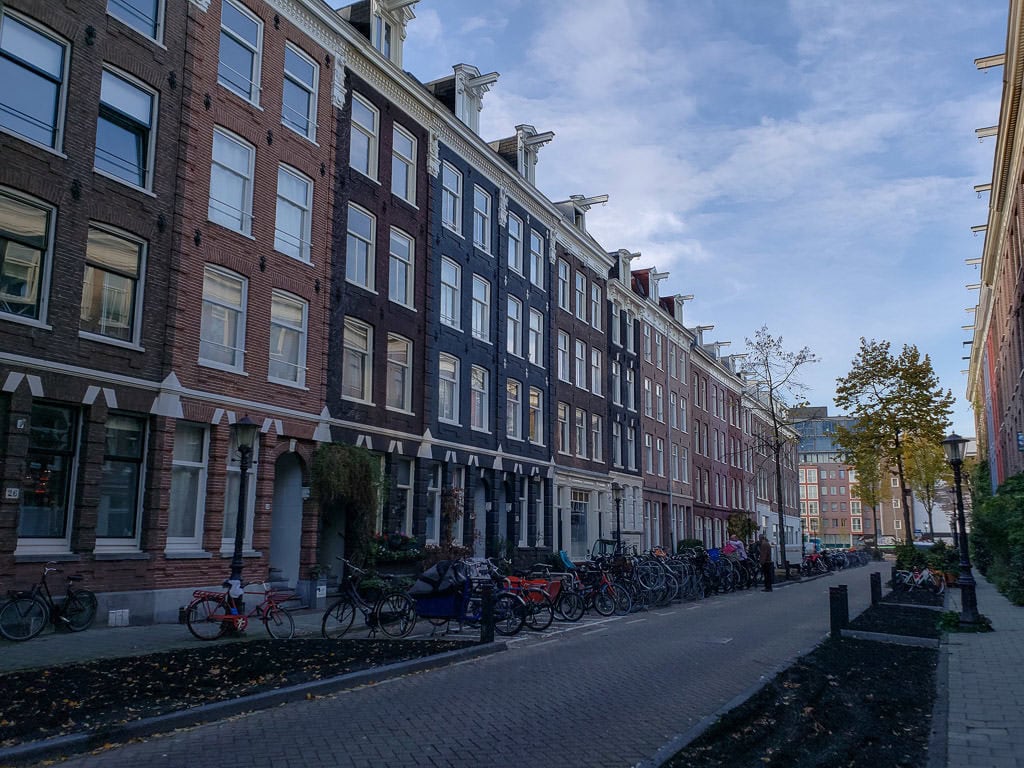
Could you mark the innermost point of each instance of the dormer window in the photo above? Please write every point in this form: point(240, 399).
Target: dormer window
point(383, 22)
point(381, 39)
point(470, 87)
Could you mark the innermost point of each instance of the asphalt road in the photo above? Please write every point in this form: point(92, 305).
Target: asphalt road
point(606, 692)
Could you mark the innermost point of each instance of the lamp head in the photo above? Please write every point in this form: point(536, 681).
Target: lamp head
point(954, 447)
point(245, 430)
point(616, 492)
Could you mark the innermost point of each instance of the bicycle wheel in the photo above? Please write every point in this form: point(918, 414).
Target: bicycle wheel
point(509, 614)
point(337, 619)
point(570, 606)
point(604, 603)
point(205, 618)
point(540, 611)
point(623, 602)
point(22, 618)
point(279, 623)
point(396, 614)
point(79, 610)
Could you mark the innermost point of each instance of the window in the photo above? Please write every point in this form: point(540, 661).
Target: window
point(563, 356)
point(188, 487)
point(536, 259)
point(682, 414)
point(581, 296)
point(231, 182)
point(515, 244)
point(649, 454)
point(401, 268)
point(381, 35)
point(46, 499)
point(222, 328)
point(480, 396)
point(581, 433)
point(451, 198)
point(595, 305)
point(293, 220)
point(672, 368)
point(357, 361)
point(399, 373)
point(451, 293)
point(659, 403)
point(536, 416)
point(481, 219)
point(596, 371)
point(673, 409)
point(231, 493)
point(298, 99)
point(514, 409)
point(581, 364)
point(119, 509)
point(563, 428)
point(359, 253)
point(616, 319)
point(125, 130)
point(631, 447)
point(288, 320)
point(33, 68)
point(630, 334)
point(647, 343)
point(448, 388)
point(659, 451)
point(563, 285)
point(648, 399)
point(616, 382)
point(514, 340)
point(630, 389)
point(403, 165)
point(362, 151)
point(481, 309)
point(616, 444)
point(659, 353)
point(110, 292)
point(241, 35)
point(597, 437)
point(535, 351)
point(675, 462)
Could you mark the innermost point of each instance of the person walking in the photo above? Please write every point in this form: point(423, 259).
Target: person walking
point(764, 556)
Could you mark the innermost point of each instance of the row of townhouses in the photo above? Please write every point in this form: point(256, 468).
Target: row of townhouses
point(220, 210)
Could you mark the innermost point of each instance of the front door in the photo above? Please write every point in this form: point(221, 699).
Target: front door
point(286, 518)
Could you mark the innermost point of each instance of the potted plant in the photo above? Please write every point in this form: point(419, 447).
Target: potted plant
point(318, 573)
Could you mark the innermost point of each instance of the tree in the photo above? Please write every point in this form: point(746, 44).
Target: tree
point(868, 487)
point(892, 397)
point(928, 473)
point(775, 373)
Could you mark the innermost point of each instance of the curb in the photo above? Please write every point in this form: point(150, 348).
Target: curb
point(881, 637)
point(83, 742)
point(938, 741)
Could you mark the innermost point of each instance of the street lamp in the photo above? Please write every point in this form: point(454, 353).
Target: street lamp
point(244, 433)
point(617, 498)
point(954, 446)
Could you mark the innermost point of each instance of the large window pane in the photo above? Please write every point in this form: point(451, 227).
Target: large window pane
point(119, 484)
point(24, 234)
point(123, 130)
point(45, 490)
point(109, 288)
point(32, 71)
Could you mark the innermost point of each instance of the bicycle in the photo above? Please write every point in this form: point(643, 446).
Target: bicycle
point(212, 613)
point(393, 613)
point(26, 613)
point(907, 581)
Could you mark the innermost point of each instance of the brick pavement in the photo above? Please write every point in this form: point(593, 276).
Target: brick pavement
point(600, 694)
point(985, 686)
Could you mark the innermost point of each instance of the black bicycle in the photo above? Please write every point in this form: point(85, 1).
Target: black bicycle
point(393, 612)
point(26, 613)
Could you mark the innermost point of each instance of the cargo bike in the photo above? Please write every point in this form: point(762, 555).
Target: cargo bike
point(454, 590)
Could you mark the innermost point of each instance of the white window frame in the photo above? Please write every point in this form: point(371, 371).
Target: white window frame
point(482, 219)
point(537, 260)
point(481, 315)
point(479, 399)
point(312, 89)
point(582, 433)
point(138, 290)
point(112, 114)
point(408, 162)
point(580, 354)
point(535, 348)
point(406, 367)
point(219, 210)
point(515, 244)
point(257, 54)
point(451, 295)
point(596, 437)
point(513, 409)
point(242, 312)
point(295, 245)
point(536, 419)
point(563, 356)
point(130, 17)
point(353, 256)
point(451, 383)
point(563, 284)
point(371, 133)
point(398, 262)
point(596, 370)
point(365, 354)
point(616, 382)
point(193, 506)
point(616, 331)
point(616, 444)
point(580, 295)
point(514, 326)
point(41, 273)
point(60, 98)
point(595, 305)
point(630, 389)
point(564, 430)
point(451, 198)
point(301, 329)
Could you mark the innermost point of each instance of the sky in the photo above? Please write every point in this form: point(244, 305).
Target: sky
point(806, 165)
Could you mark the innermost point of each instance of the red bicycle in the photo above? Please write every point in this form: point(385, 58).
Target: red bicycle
point(211, 613)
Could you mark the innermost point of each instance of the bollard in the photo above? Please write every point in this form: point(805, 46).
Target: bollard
point(876, 588)
point(487, 615)
point(838, 609)
point(892, 578)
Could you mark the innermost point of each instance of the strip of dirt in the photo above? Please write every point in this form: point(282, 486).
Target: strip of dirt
point(87, 697)
point(896, 619)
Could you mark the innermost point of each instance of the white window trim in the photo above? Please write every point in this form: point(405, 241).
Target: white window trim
point(373, 137)
point(193, 543)
point(455, 390)
point(514, 427)
point(456, 224)
point(517, 264)
point(257, 55)
point(246, 209)
point(243, 311)
point(314, 95)
point(514, 336)
point(409, 162)
point(124, 544)
point(371, 251)
point(485, 399)
point(305, 236)
point(154, 113)
point(140, 285)
point(406, 406)
point(410, 299)
point(483, 332)
point(367, 385)
point(537, 259)
point(484, 216)
point(454, 321)
point(46, 256)
point(303, 330)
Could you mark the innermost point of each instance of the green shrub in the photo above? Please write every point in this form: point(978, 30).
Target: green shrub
point(997, 538)
point(908, 556)
point(688, 544)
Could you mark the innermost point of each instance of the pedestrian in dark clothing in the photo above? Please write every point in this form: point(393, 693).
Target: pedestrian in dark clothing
point(764, 553)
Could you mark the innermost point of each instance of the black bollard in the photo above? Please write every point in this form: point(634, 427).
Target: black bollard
point(876, 588)
point(487, 614)
point(838, 609)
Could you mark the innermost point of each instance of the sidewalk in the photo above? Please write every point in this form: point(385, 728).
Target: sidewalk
point(985, 686)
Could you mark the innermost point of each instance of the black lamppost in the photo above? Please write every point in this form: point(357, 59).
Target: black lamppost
point(952, 517)
point(954, 446)
point(244, 432)
point(617, 498)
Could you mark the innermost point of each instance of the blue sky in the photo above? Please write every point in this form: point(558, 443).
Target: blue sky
point(803, 165)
